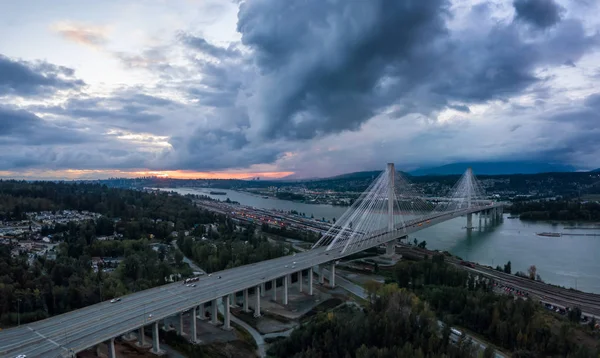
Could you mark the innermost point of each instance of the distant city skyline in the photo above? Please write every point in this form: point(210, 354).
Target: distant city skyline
point(269, 88)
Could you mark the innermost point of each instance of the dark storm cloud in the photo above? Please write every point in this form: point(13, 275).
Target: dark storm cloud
point(125, 109)
point(24, 78)
point(213, 149)
point(540, 13)
point(324, 62)
point(24, 128)
point(201, 45)
point(326, 67)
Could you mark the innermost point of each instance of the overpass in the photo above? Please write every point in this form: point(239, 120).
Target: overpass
point(376, 218)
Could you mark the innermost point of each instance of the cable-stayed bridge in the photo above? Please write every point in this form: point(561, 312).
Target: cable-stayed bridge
point(388, 210)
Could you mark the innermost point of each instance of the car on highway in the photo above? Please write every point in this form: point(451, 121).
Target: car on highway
point(115, 300)
point(194, 285)
point(219, 277)
point(21, 356)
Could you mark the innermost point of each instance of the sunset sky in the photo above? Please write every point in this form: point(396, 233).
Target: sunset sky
point(271, 88)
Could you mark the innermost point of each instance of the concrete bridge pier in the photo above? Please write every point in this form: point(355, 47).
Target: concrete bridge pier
point(246, 308)
point(300, 279)
point(141, 337)
point(202, 311)
point(274, 290)
point(226, 314)
point(232, 298)
point(257, 302)
point(390, 248)
point(155, 339)
point(310, 281)
point(214, 314)
point(321, 276)
point(332, 275)
point(193, 331)
point(286, 280)
point(180, 328)
point(469, 221)
point(480, 220)
point(262, 289)
point(110, 345)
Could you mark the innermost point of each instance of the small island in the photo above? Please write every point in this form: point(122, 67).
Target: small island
point(217, 193)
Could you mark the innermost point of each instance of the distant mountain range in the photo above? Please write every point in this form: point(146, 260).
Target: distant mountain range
point(495, 168)
point(596, 170)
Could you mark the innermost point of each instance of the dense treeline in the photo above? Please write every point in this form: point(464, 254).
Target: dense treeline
point(18, 197)
point(395, 324)
point(515, 324)
point(43, 287)
point(557, 210)
point(40, 287)
point(308, 236)
point(233, 246)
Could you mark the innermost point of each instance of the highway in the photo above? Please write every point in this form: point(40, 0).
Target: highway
point(81, 329)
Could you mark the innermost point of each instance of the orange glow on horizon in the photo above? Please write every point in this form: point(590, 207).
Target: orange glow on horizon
point(184, 174)
point(90, 174)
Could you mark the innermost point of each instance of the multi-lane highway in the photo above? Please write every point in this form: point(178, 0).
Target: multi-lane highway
point(80, 329)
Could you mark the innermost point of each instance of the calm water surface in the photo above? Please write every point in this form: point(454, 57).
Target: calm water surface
point(570, 261)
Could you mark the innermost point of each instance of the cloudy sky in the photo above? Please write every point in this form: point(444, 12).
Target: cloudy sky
point(270, 88)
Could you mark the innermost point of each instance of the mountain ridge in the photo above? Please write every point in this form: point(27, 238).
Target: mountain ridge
point(495, 168)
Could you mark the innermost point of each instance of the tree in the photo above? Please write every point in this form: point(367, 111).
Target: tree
point(532, 272)
point(507, 267)
point(575, 315)
point(422, 244)
point(178, 258)
point(416, 241)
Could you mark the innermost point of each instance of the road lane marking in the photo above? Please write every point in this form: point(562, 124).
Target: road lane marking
point(46, 338)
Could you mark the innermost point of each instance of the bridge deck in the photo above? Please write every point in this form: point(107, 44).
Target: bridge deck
point(86, 327)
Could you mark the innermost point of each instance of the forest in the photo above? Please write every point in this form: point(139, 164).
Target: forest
point(40, 287)
point(395, 324)
point(557, 210)
point(517, 325)
point(230, 246)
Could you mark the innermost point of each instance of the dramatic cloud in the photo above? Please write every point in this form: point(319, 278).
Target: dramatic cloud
point(326, 68)
point(541, 13)
point(201, 45)
point(316, 87)
point(24, 78)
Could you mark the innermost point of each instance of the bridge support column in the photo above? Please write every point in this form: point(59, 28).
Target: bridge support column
point(257, 302)
point(215, 311)
point(141, 337)
point(155, 340)
point(332, 273)
point(193, 332)
point(300, 279)
point(262, 289)
point(180, 328)
point(469, 221)
point(390, 248)
point(232, 301)
point(246, 309)
point(310, 281)
point(110, 344)
point(226, 313)
point(321, 275)
point(274, 289)
point(202, 311)
point(286, 278)
point(480, 214)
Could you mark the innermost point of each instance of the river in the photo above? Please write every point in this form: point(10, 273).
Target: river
point(569, 261)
